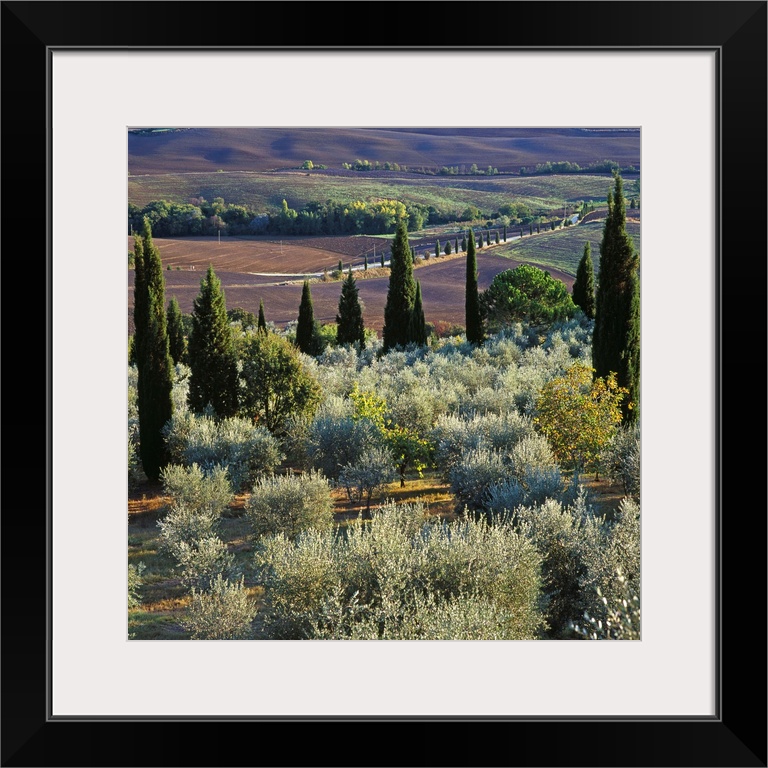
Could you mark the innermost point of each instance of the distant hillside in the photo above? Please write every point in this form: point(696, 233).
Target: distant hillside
point(162, 150)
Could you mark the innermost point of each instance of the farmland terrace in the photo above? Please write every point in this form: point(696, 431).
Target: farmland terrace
point(256, 269)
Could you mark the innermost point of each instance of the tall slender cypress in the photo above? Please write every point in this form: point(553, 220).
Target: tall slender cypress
point(417, 326)
point(212, 359)
point(153, 359)
point(306, 330)
point(616, 338)
point(349, 320)
point(584, 285)
point(401, 293)
point(177, 342)
point(262, 323)
point(474, 322)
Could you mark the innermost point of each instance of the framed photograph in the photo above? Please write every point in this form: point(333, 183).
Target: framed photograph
point(691, 77)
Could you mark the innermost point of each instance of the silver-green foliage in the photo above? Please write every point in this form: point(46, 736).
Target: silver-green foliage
point(621, 617)
point(204, 491)
point(372, 471)
point(582, 553)
point(400, 576)
point(223, 611)
point(622, 459)
point(135, 580)
point(289, 504)
point(618, 552)
point(335, 441)
point(477, 472)
point(454, 435)
point(202, 560)
point(245, 449)
point(188, 530)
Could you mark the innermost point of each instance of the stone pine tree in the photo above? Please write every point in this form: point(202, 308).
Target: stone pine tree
point(177, 341)
point(401, 293)
point(262, 323)
point(584, 285)
point(306, 330)
point(616, 338)
point(153, 359)
point(212, 358)
point(350, 327)
point(473, 319)
point(417, 325)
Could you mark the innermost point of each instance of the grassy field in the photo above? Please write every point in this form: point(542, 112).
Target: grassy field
point(264, 192)
point(562, 249)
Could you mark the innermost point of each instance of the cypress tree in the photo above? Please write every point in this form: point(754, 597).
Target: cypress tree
point(616, 339)
point(349, 320)
point(496, 237)
point(437, 248)
point(365, 263)
point(448, 248)
point(401, 293)
point(382, 258)
point(472, 299)
point(479, 239)
point(417, 326)
point(505, 233)
point(306, 330)
point(153, 359)
point(212, 358)
point(177, 343)
point(262, 324)
point(584, 285)
point(456, 245)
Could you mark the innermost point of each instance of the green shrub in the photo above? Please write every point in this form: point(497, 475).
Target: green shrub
point(209, 492)
point(224, 611)
point(246, 450)
point(290, 504)
point(135, 581)
point(202, 560)
point(401, 577)
point(334, 442)
point(372, 471)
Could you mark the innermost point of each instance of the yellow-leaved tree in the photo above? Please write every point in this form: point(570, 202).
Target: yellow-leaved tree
point(579, 415)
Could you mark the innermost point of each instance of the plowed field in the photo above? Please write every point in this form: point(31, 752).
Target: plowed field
point(253, 270)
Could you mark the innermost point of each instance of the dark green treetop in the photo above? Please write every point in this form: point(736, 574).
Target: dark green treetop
point(349, 320)
point(401, 293)
point(212, 358)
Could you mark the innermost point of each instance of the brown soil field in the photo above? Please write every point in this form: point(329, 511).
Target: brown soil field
point(238, 262)
point(257, 149)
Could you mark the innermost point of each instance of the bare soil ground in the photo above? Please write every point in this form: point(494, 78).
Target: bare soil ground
point(253, 270)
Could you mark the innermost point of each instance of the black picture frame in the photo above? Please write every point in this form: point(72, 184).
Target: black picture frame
point(736, 736)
